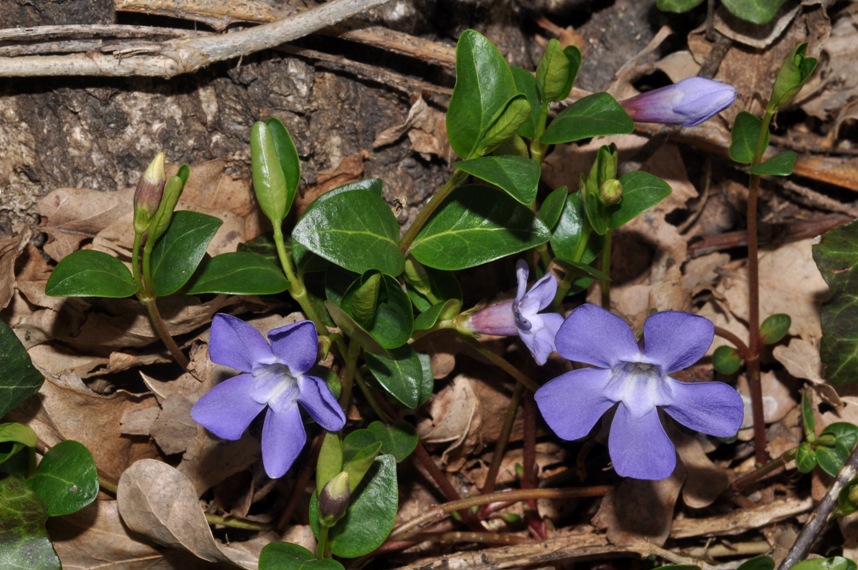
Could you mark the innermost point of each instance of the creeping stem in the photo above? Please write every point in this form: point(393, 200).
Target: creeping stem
point(426, 212)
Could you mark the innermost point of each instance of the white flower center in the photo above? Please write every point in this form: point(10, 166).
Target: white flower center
point(275, 385)
point(641, 386)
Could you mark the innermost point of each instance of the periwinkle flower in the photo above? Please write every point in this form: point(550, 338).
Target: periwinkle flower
point(273, 376)
point(688, 102)
point(637, 381)
point(520, 316)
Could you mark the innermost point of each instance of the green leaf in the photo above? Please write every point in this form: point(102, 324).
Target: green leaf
point(400, 373)
point(504, 126)
point(19, 435)
point(484, 87)
point(847, 500)
point(595, 115)
point(352, 330)
point(371, 514)
point(269, 179)
point(726, 360)
point(399, 439)
point(831, 459)
point(66, 480)
point(754, 11)
point(845, 433)
point(805, 459)
point(525, 83)
point(570, 240)
point(775, 328)
point(330, 461)
point(427, 286)
point(743, 137)
point(808, 418)
point(515, 175)
point(179, 251)
point(474, 226)
point(355, 230)
point(288, 155)
point(357, 464)
point(678, 6)
point(238, 273)
point(24, 542)
point(837, 258)
point(758, 563)
point(440, 311)
point(835, 563)
point(88, 273)
point(362, 298)
point(20, 379)
point(552, 207)
point(641, 191)
point(779, 165)
point(557, 70)
point(393, 320)
point(794, 72)
point(288, 556)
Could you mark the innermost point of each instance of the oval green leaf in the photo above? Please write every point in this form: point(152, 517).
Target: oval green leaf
point(400, 373)
point(641, 191)
point(778, 165)
point(66, 480)
point(24, 542)
point(515, 175)
point(477, 225)
point(835, 563)
point(393, 321)
point(179, 251)
point(88, 273)
point(743, 137)
point(595, 115)
point(238, 273)
point(20, 379)
point(288, 556)
point(355, 230)
point(398, 439)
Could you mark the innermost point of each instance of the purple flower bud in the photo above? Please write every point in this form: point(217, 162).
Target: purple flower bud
point(687, 103)
point(334, 499)
point(147, 197)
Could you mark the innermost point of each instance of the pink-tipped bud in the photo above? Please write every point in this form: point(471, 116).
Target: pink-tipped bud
point(687, 103)
point(334, 499)
point(147, 197)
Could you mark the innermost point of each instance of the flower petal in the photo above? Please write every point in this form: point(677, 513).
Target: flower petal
point(713, 408)
point(320, 403)
point(540, 338)
point(283, 438)
point(296, 345)
point(236, 344)
point(521, 274)
point(227, 409)
point(639, 448)
point(540, 296)
point(592, 335)
point(573, 402)
point(675, 340)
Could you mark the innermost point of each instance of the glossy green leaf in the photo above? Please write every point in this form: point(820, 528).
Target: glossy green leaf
point(474, 226)
point(743, 137)
point(847, 500)
point(552, 207)
point(484, 88)
point(398, 439)
point(831, 459)
point(20, 379)
point(24, 542)
point(269, 179)
point(18, 436)
point(288, 155)
point(556, 71)
point(330, 461)
point(352, 330)
point(428, 286)
point(845, 433)
point(66, 480)
point(178, 253)
point(238, 273)
point(779, 165)
point(794, 72)
point(525, 83)
point(440, 311)
point(678, 6)
point(516, 112)
point(288, 556)
point(835, 563)
point(754, 11)
point(569, 241)
point(515, 175)
point(88, 273)
point(758, 563)
point(595, 115)
point(805, 459)
point(371, 514)
point(358, 463)
point(355, 230)
point(400, 373)
point(393, 321)
point(363, 298)
point(837, 258)
point(726, 360)
point(641, 191)
point(774, 328)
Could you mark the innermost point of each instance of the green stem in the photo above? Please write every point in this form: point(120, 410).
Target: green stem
point(566, 283)
point(424, 214)
point(735, 340)
point(501, 363)
point(349, 374)
point(322, 546)
point(161, 330)
point(296, 285)
point(606, 269)
point(135, 259)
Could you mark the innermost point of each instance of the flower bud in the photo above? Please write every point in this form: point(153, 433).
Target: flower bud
point(497, 319)
point(687, 103)
point(147, 197)
point(611, 192)
point(334, 499)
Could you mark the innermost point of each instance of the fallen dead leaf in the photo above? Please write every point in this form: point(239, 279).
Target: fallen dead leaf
point(454, 419)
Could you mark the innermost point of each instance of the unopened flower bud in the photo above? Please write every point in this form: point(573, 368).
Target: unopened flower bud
point(147, 197)
point(334, 499)
point(611, 192)
point(687, 103)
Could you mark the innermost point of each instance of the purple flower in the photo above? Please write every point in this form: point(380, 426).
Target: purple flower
point(274, 376)
point(687, 103)
point(520, 316)
point(638, 380)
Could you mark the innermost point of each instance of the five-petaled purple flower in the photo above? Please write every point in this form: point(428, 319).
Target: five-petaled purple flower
point(520, 316)
point(688, 102)
point(637, 378)
point(274, 376)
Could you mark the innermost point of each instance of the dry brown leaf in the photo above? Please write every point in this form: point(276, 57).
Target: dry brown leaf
point(426, 129)
point(705, 481)
point(454, 419)
point(160, 503)
point(10, 250)
point(834, 84)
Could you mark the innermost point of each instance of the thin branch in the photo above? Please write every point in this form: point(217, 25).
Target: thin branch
point(179, 56)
